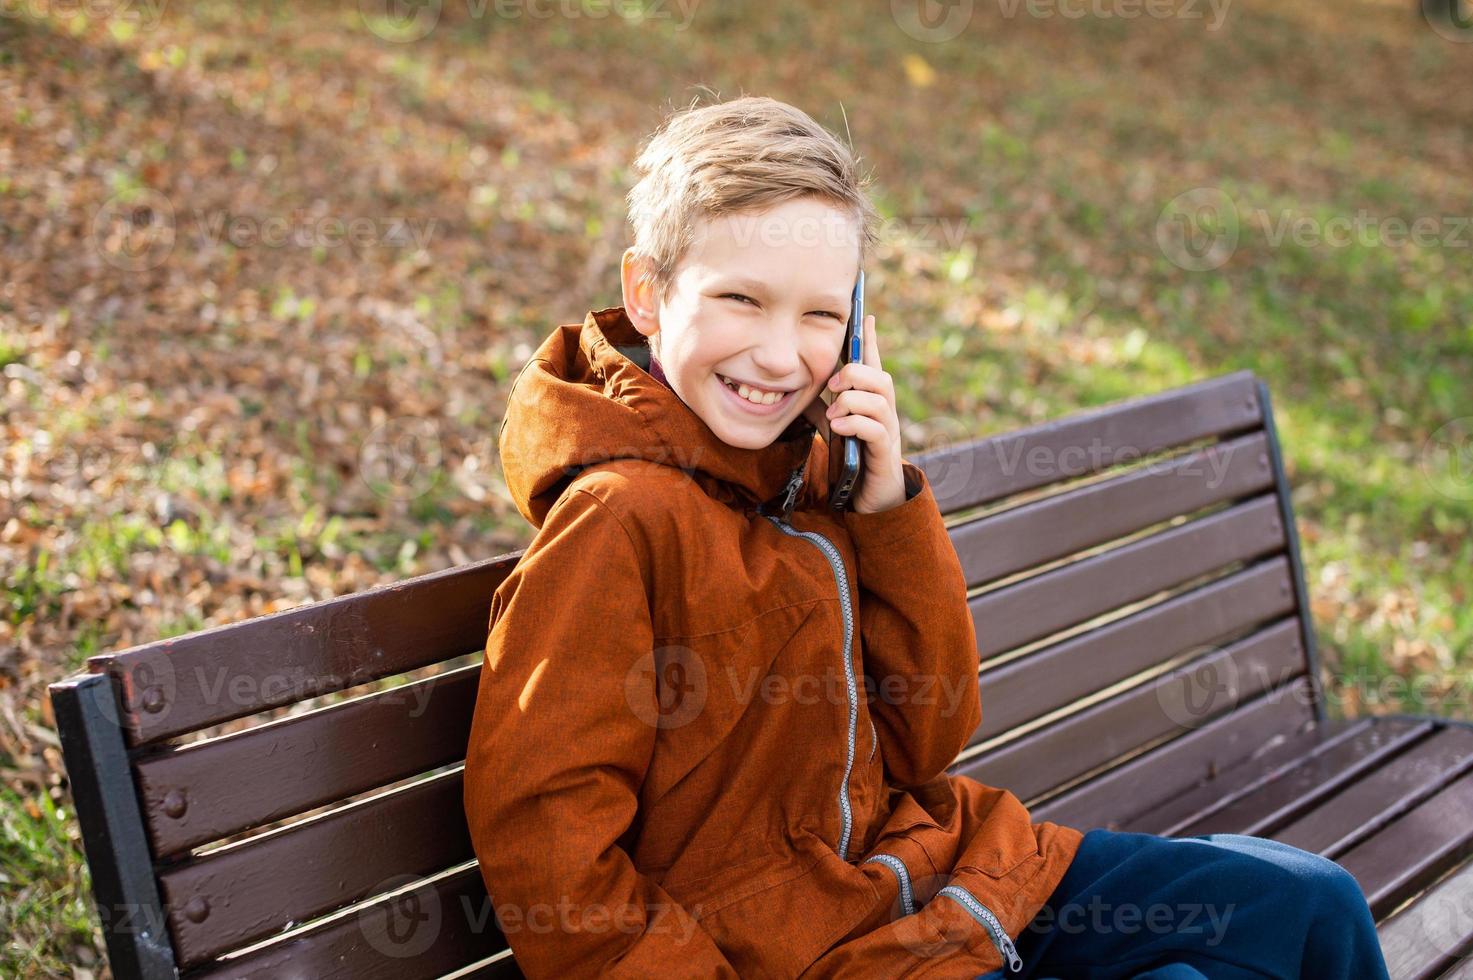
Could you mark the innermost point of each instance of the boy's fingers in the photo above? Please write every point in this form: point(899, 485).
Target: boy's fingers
point(871, 345)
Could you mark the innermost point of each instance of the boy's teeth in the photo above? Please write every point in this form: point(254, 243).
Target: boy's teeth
point(753, 395)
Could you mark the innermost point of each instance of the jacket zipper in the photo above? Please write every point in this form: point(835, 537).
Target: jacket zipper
point(959, 894)
point(984, 915)
point(841, 579)
point(907, 898)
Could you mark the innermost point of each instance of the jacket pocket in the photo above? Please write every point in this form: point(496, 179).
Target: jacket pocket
point(987, 920)
point(999, 858)
point(712, 877)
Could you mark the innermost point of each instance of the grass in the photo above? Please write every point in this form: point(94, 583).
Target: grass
point(197, 438)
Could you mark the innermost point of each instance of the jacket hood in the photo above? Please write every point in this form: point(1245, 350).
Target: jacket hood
point(586, 396)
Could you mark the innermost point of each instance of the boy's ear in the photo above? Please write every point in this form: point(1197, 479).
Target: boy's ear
point(639, 293)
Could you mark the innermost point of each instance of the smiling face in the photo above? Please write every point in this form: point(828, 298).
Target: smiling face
point(761, 300)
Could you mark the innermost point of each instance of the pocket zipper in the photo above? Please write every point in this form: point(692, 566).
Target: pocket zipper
point(984, 915)
point(907, 898)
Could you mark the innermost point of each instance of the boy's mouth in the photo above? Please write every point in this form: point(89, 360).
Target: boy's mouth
point(755, 399)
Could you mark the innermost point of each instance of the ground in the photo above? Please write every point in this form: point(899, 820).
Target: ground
point(266, 271)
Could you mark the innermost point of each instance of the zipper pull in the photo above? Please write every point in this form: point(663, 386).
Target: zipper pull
point(790, 492)
point(1015, 962)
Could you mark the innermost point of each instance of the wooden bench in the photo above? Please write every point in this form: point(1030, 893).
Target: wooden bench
point(1147, 663)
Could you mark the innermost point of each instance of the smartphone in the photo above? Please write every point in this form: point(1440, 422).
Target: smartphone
point(844, 451)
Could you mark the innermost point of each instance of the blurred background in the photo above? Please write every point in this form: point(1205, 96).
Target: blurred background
point(267, 270)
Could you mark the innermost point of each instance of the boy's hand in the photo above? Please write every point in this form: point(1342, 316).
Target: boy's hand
point(865, 407)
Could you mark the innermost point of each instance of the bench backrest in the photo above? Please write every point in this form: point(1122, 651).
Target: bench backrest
point(288, 789)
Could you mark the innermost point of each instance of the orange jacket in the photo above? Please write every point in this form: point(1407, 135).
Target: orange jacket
point(712, 731)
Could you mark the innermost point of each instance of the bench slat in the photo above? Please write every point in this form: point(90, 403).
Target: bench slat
point(1144, 781)
point(1172, 817)
point(1038, 607)
point(1462, 970)
point(501, 967)
point(1306, 786)
point(442, 926)
point(984, 470)
point(1053, 755)
point(1413, 850)
point(1423, 939)
point(1042, 531)
point(181, 685)
point(207, 791)
point(1357, 811)
point(1093, 661)
point(251, 890)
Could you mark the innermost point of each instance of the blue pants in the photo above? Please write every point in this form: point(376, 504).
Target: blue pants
point(1214, 906)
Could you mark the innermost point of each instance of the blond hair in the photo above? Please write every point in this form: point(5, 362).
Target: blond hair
point(743, 155)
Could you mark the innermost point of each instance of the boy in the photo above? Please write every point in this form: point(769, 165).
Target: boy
point(715, 716)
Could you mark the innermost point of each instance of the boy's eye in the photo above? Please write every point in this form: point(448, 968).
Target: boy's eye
point(748, 299)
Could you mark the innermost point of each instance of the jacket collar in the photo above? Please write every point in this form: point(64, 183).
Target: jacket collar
point(586, 396)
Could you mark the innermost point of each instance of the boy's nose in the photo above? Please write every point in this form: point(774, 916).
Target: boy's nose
point(778, 357)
